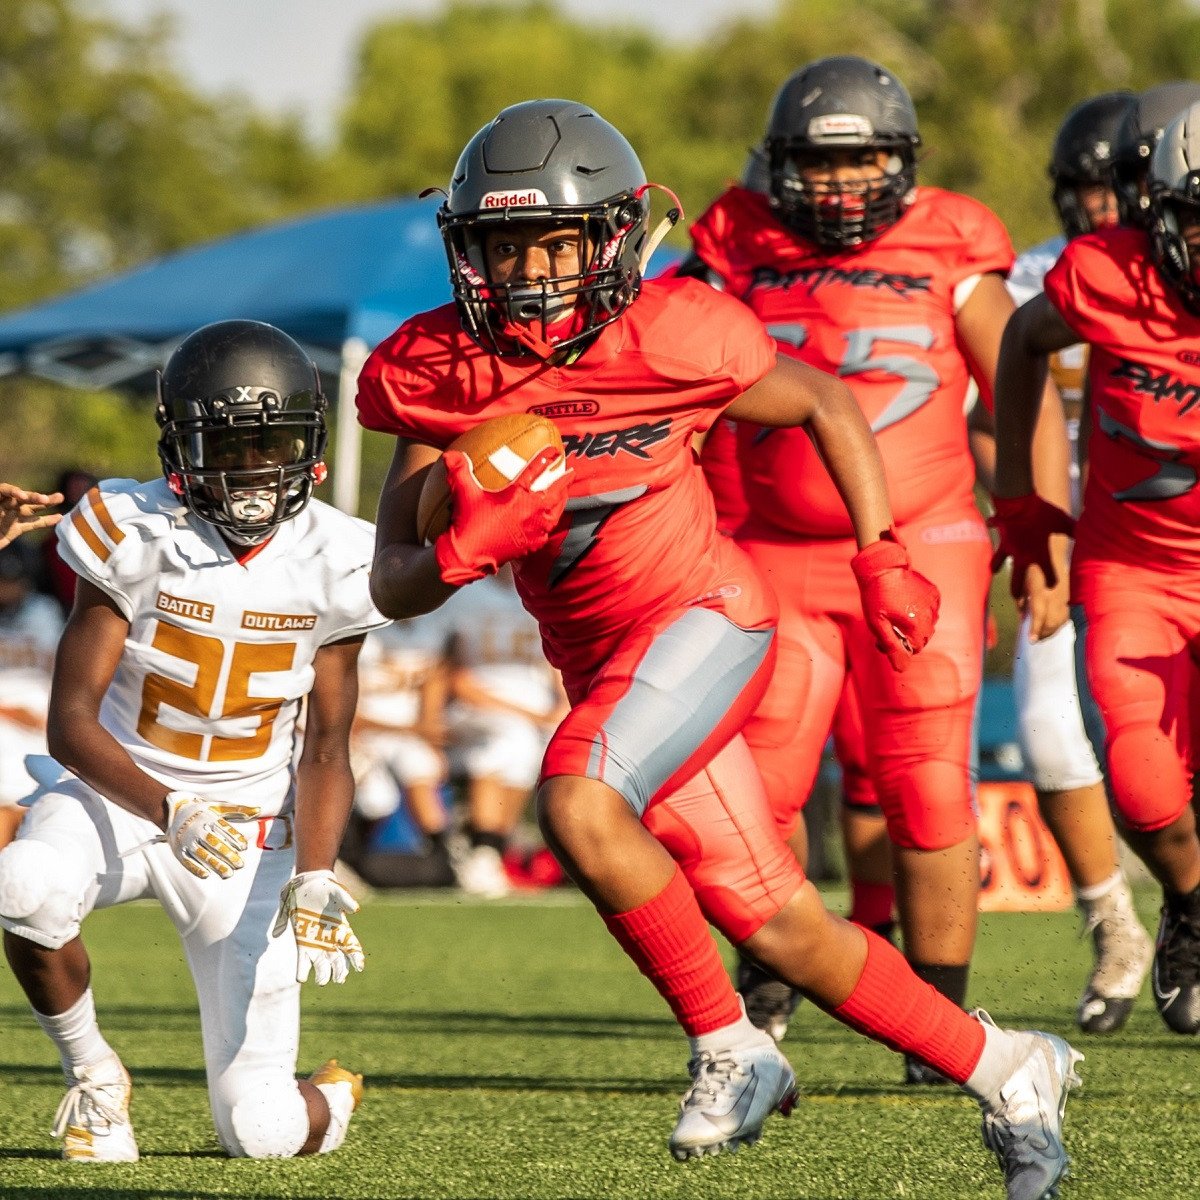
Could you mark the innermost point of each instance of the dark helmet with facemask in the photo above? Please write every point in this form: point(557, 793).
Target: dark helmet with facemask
point(1137, 136)
point(833, 103)
point(1083, 154)
point(242, 428)
point(1173, 188)
point(550, 161)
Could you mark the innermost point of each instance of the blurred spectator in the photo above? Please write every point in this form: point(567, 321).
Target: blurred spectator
point(59, 580)
point(505, 701)
point(30, 625)
point(398, 734)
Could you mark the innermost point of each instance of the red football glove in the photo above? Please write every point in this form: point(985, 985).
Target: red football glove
point(488, 529)
point(900, 604)
point(1025, 524)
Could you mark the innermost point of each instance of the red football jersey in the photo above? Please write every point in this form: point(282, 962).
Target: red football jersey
point(639, 534)
point(882, 319)
point(1141, 499)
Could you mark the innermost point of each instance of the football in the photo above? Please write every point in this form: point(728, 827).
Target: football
point(499, 450)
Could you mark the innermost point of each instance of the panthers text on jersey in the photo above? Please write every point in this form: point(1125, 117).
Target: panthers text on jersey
point(1141, 504)
point(639, 532)
point(880, 317)
point(219, 652)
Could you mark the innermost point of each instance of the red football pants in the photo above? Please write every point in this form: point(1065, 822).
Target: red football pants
point(918, 723)
point(1141, 641)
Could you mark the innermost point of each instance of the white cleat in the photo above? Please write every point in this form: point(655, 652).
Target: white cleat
point(480, 872)
point(1123, 954)
point(93, 1118)
point(1023, 1125)
point(732, 1094)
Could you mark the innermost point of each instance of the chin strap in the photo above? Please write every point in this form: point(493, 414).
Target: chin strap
point(673, 217)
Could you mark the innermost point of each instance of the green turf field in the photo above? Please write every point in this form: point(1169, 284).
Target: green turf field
point(511, 1051)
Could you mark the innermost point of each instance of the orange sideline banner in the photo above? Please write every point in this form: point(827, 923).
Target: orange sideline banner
point(1020, 864)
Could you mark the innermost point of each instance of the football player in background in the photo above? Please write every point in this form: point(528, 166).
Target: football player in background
point(211, 604)
point(1133, 295)
point(1054, 744)
point(21, 512)
point(662, 628)
point(898, 290)
point(505, 702)
point(30, 625)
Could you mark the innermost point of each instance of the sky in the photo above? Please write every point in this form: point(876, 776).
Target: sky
point(297, 55)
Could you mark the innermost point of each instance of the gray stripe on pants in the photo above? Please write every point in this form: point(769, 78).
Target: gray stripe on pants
point(687, 681)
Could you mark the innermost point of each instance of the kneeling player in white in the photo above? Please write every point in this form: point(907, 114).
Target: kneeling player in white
point(210, 604)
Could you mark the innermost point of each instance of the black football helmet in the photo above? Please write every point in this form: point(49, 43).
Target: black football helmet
point(242, 427)
point(1173, 190)
point(841, 101)
point(1083, 154)
point(1137, 136)
point(546, 161)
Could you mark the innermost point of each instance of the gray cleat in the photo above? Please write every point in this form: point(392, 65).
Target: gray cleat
point(1022, 1126)
point(732, 1094)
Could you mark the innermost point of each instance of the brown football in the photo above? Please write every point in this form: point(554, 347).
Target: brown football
point(499, 450)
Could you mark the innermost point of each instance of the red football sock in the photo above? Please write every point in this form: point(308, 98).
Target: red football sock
point(668, 940)
point(871, 904)
point(890, 1004)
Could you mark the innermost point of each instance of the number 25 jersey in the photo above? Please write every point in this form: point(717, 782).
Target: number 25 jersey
point(882, 318)
point(219, 654)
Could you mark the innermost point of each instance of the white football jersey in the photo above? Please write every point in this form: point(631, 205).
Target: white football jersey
point(395, 664)
point(490, 633)
point(219, 654)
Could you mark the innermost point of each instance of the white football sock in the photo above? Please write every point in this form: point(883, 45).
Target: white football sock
point(77, 1035)
point(741, 1035)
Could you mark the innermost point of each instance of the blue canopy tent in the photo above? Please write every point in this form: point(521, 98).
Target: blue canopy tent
point(339, 282)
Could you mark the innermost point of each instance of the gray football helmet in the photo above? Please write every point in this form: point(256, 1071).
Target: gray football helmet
point(1137, 136)
point(1173, 186)
point(1083, 154)
point(841, 101)
point(547, 161)
point(241, 416)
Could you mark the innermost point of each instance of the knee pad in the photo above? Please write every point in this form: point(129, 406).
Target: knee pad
point(42, 890)
point(928, 806)
point(1150, 785)
point(269, 1121)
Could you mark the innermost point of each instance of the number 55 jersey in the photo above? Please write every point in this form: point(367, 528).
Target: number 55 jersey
point(219, 652)
point(880, 317)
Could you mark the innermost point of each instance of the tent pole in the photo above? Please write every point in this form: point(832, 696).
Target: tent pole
point(347, 461)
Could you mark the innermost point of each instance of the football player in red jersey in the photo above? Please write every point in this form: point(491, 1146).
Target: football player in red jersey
point(662, 629)
point(1059, 758)
point(1133, 294)
point(899, 290)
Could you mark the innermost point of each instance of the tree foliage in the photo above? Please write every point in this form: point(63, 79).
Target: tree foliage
point(107, 157)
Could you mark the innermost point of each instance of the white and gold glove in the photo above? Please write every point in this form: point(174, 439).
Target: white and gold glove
point(316, 906)
point(201, 838)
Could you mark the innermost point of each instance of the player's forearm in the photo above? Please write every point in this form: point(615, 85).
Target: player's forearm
point(1051, 450)
point(89, 751)
point(406, 582)
point(324, 795)
point(848, 449)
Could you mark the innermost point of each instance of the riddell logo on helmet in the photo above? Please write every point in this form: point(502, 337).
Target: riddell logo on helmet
point(531, 198)
point(838, 127)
